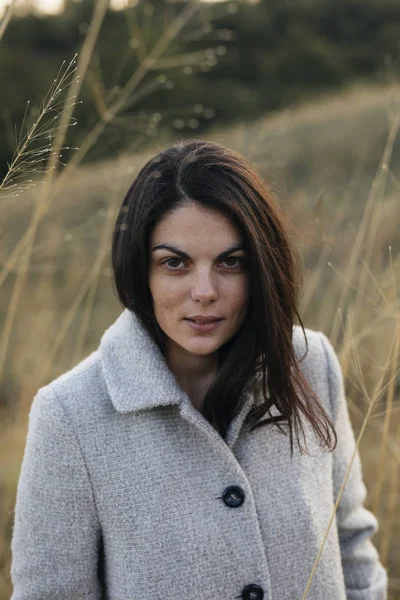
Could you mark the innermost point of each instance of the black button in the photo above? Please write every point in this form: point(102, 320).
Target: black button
point(252, 592)
point(233, 496)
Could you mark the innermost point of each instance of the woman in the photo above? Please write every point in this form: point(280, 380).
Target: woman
point(164, 465)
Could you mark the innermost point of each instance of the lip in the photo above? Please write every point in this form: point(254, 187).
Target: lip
point(204, 318)
point(204, 327)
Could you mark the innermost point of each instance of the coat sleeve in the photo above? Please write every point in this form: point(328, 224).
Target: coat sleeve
point(364, 575)
point(56, 530)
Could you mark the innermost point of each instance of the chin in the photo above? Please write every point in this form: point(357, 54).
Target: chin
point(204, 352)
point(201, 347)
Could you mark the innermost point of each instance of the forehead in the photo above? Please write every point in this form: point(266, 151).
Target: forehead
point(193, 224)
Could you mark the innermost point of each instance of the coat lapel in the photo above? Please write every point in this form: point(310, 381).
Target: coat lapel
point(135, 371)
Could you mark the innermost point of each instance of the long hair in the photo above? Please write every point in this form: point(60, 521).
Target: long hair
point(261, 356)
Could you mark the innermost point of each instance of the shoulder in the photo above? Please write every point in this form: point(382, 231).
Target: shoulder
point(79, 394)
point(309, 350)
point(314, 349)
point(318, 361)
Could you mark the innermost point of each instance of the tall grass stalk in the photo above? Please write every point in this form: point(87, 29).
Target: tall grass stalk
point(379, 389)
point(62, 331)
point(75, 87)
point(376, 208)
point(366, 223)
point(102, 254)
point(368, 230)
point(36, 147)
point(43, 201)
point(6, 18)
point(89, 287)
point(382, 463)
point(148, 63)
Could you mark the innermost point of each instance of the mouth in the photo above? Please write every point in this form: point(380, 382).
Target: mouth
point(203, 321)
point(204, 326)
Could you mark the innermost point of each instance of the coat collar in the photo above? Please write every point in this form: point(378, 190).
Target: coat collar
point(136, 373)
point(138, 377)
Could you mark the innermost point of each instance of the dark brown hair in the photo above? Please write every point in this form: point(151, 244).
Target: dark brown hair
point(261, 353)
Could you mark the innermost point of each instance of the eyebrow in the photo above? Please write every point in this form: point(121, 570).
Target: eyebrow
point(182, 254)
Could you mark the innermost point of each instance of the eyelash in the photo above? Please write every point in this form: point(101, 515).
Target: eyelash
point(238, 258)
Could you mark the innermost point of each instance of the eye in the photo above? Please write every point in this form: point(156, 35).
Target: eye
point(169, 260)
point(239, 260)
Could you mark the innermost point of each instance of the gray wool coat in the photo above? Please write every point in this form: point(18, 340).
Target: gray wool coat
point(126, 492)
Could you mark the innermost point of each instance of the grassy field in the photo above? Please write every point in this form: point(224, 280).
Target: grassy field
point(335, 165)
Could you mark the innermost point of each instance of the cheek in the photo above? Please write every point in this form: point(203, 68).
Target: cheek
point(238, 293)
point(165, 292)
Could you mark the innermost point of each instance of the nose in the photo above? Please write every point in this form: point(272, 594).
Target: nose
point(203, 289)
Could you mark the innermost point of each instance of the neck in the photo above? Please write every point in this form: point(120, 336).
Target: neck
point(194, 373)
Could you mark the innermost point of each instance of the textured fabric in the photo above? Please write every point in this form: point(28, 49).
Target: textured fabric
point(120, 494)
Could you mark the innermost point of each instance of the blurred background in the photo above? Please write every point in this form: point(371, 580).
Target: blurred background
point(307, 90)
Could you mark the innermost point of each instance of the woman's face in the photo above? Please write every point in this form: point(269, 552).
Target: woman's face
point(203, 283)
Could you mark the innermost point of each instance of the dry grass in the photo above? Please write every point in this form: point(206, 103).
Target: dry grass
point(6, 18)
point(335, 165)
